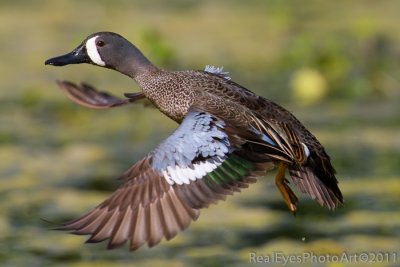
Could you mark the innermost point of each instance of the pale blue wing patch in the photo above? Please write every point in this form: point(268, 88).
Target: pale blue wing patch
point(196, 148)
point(217, 70)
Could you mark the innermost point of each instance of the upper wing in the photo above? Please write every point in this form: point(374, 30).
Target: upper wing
point(197, 165)
point(87, 96)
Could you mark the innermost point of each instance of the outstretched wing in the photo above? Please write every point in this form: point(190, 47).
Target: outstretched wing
point(145, 209)
point(197, 165)
point(88, 96)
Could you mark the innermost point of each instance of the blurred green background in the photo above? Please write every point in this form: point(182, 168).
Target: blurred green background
point(335, 65)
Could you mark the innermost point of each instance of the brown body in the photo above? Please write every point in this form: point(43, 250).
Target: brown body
point(174, 93)
point(228, 137)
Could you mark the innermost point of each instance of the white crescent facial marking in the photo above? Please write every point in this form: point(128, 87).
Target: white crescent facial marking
point(91, 50)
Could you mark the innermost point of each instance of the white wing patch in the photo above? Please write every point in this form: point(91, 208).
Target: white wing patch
point(185, 175)
point(217, 70)
point(91, 50)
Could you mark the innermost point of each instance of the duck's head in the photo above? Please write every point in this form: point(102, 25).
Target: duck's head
point(105, 49)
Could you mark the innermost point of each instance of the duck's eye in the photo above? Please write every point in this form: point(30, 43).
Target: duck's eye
point(100, 43)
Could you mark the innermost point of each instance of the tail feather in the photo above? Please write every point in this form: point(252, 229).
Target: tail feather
point(326, 194)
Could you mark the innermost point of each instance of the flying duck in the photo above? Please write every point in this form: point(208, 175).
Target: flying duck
point(227, 138)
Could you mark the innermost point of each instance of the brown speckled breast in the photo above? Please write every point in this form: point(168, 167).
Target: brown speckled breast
point(171, 92)
point(175, 92)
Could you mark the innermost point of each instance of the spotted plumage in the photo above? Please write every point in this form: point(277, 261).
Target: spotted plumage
point(227, 138)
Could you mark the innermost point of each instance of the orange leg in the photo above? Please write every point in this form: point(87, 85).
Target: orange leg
point(287, 193)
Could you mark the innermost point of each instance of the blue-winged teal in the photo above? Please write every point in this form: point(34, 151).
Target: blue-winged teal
point(228, 136)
